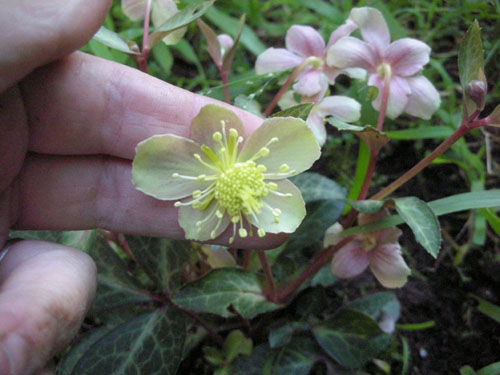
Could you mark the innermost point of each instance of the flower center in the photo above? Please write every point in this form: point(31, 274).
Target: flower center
point(384, 70)
point(241, 188)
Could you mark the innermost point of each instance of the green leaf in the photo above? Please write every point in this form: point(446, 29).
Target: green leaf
point(161, 259)
point(82, 239)
point(116, 287)
point(223, 288)
point(253, 364)
point(164, 58)
point(214, 49)
point(229, 56)
point(297, 358)
point(178, 20)
point(347, 338)
point(281, 336)
point(377, 304)
point(373, 138)
point(300, 111)
point(492, 219)
point(422, 221)
point(150, 344)
point(422, 132)
point(325, 201)
point(471, 64)
point(113, 40)
point(367, 206)
point(236, 343)
point(489, 309)
point(492, 369)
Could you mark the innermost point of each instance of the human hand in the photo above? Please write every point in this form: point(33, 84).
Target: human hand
point(68, 132)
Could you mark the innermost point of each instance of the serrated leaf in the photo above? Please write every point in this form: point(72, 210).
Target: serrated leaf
point(116, 287)
point(150, 344)
point(471, 63)
point(325, 202)
point(367, 206)
point(373, 138)
point(347, 338)
point(113, 40)
point(300, 111)
point(161, 259)
point(189, 14)
point(229, 56)
point(422, 221)
point(223, 288)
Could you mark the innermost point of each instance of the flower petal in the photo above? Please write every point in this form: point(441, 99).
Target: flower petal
point(296, 146)
point(158, 157)
point(342, 107)
point(388, 265)
point(188, 217)
point(344, 30)
point(134, 9)
point(332, 235)
point(226, 42)
point(388, 236)
point(276, 60)
point(351, 52)
point(305, 41)
point(316, 123)
point(161, 11)
point(310, 83)
point(398, 94)
point(209, 121)
point(350, 261)
point(407, 56)
point(331, 73)
point(424, 99)
point(373, 28)
point(293, 210)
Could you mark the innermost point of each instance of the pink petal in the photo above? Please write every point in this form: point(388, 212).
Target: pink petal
point(276, 60)
point(373, 28)
point(388, 236)
point(134, 9)
point(342, 107)
point(350, 261)
point(351, 52)
point(398, 94)
point(388, 265)
point(305, 41)
point(344, 30)
point(407, 56)
point(310, 83)
point(331, 73)
point(226, 42)
point(316, 123)
point(424, 99)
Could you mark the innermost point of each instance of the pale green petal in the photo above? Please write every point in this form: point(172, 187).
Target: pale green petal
point(188, 217)
point(292, 209)
point(209, 121)
point(296, 146)
point(158, 157)
point(162, 10)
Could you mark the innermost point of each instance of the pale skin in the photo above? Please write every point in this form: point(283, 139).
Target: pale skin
point(69, 124)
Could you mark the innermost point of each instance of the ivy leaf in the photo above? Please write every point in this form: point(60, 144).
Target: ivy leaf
point(113, 40)
point(253, 364)
point(149, 344)
point(373, 138)
point(81, 239)
point(298, 357)
point(471, 64)
point(281, 336)
point(223, 288)
point(116, 287)
point(347, 338)
point(325, 202)
point(376, 304)
point(161, 259)
point(189, 14)
point(300, 111)
point(422, 221)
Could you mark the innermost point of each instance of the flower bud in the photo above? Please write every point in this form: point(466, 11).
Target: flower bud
point(477, 92)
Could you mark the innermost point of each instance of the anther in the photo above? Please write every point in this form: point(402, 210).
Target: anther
point(262, 168)
point(201, 178)
point(233, 133)
point(242, 232)
point(261, 232)
point(176, 175)
point(217, 137)
point(264, 151)
point(218, 214)
point(177, 204)
point(272, 186)
point(284, 168)
point(276, 212)
point(196, 193)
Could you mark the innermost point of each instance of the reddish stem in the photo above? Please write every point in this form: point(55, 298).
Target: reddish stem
point(247, 256)
point(225, 82)
point(268, 273)
point(385, 101)
point(143, 59)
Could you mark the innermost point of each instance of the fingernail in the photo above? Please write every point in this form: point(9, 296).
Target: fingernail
point(14, 349)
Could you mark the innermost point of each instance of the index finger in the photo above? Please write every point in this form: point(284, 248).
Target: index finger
point(85, 105)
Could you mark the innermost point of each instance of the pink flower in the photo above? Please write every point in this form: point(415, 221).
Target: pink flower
point(397, 64)
point(379, 250)
point(304, 45)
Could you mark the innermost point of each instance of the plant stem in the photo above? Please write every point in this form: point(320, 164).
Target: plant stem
point(268, 273)
point(322, 259)
point(143, 59)
point(285, 87)
point(247, 256)
point(383, 105)
point(225, 82)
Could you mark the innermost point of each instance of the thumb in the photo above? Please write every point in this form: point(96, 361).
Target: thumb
point(36, 32)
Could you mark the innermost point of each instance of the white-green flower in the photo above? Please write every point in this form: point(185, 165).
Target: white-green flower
point(221, 178)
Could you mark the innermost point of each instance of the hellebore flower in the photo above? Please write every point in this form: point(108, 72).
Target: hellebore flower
point(341, 107)
point(220, 177)
point(379, 250)
point(396, 64)
point(304, 46)
point(161, 11)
